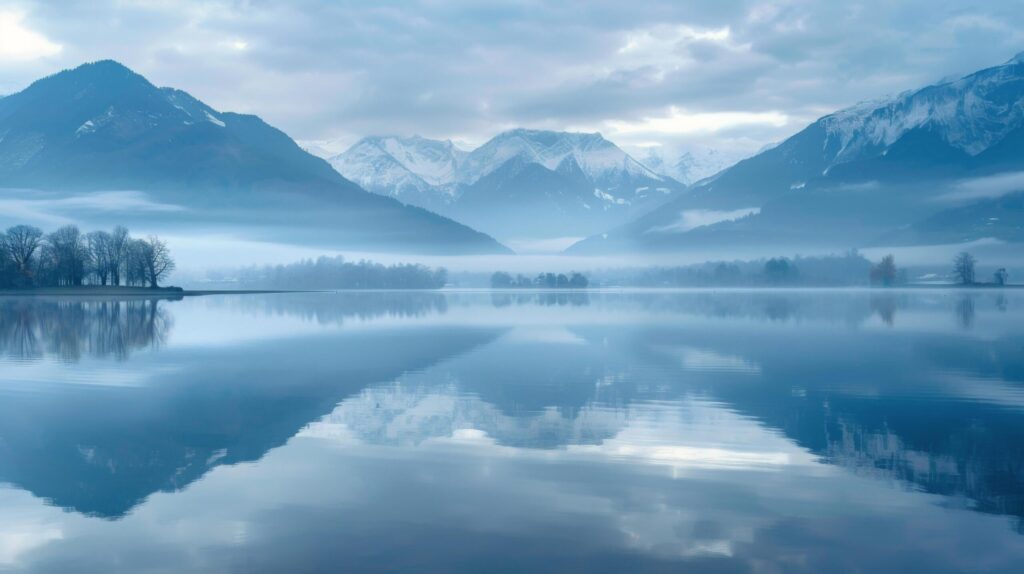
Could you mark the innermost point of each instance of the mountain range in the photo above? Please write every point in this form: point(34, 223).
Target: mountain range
point(413, 169)
point(940, 164)
point(690, 166)
point(102, 127)
point(520, 184)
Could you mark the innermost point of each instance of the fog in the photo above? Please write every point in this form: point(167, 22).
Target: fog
point(200, 247)
point(197, 255)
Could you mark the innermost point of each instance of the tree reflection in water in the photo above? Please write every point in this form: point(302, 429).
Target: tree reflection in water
point(541, 298)
point(965, 312)
point(71, 329)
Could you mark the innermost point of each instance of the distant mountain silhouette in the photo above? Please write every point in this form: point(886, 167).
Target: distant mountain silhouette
point(520, 184)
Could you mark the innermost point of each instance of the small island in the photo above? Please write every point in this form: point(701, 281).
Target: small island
point(503, 280)
point(69, 262)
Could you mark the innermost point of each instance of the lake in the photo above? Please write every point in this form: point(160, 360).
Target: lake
point(697, 431)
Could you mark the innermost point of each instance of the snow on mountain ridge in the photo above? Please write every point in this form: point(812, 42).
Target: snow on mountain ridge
point(971, 113)
point(191, 107)
point(426, 171)
point(411, 168)
point(433, 161)
point(181, 108)
point(597, 157)
point(370, 164)
point(691, 165)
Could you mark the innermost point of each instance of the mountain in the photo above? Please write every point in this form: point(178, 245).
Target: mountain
point(414, 170)
point(1001, 217)
point(520, 184)
point(323, 149)
point(691, 166)
point(853, 177)
point(542, 184)
point(103, 127)
point(599, 159)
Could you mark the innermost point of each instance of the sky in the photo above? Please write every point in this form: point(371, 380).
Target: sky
point(728, 75)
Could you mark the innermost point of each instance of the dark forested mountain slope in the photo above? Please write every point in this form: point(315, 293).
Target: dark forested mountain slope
point(103, 127)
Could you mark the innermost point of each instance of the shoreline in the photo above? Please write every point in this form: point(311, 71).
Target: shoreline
point(177, 293)
point(140, 292)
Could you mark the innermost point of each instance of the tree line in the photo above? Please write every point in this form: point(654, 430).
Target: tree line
point(850, 268)
point(886, 274)
point(67, 257)
point(964, 273)
point(337, 273)
point(502, 280)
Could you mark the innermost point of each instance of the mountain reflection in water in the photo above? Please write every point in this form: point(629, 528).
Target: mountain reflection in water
point(548, 431)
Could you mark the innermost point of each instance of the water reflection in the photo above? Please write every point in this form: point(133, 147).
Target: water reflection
point(965, 312)
point(885, 306)
point(70, 329)
point(327, 308)
point(159, 422)
point(542, 298)
point(727, 431)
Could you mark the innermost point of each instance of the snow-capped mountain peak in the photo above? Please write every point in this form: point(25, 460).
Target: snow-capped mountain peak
point(876, 171)
point(425, 171)
point(692, 165)
point(597, 157)
point(412, 168)
point(970, 114)
point(568, 183)
point(434, 161)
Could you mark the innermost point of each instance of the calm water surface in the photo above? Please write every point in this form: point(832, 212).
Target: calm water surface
point(379, 432)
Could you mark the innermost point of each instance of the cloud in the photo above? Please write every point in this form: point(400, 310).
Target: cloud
point(734, 74)
point(681, 122)
point(694, 218)
point(236, 44)
point(666, 48)
point(986, 187)
point(19, 43)
point(45, 208)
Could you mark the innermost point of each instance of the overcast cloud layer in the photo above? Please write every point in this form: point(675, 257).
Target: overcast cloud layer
point(729, 74)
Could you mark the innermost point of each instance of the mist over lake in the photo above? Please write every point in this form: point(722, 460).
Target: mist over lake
point(528, 431)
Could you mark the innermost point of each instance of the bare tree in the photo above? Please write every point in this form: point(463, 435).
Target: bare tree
point(155, 260)
point(99, 248)
point(885, 273)
point(963, 268)
point(21, 243)
point(1000, 277)
point(134, 263)
point(67, 256)
point(120, 242)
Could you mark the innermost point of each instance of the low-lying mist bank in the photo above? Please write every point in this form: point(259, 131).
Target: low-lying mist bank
point(202, 246)
point(199, 252)
point(328, 273)
point(850, 269)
